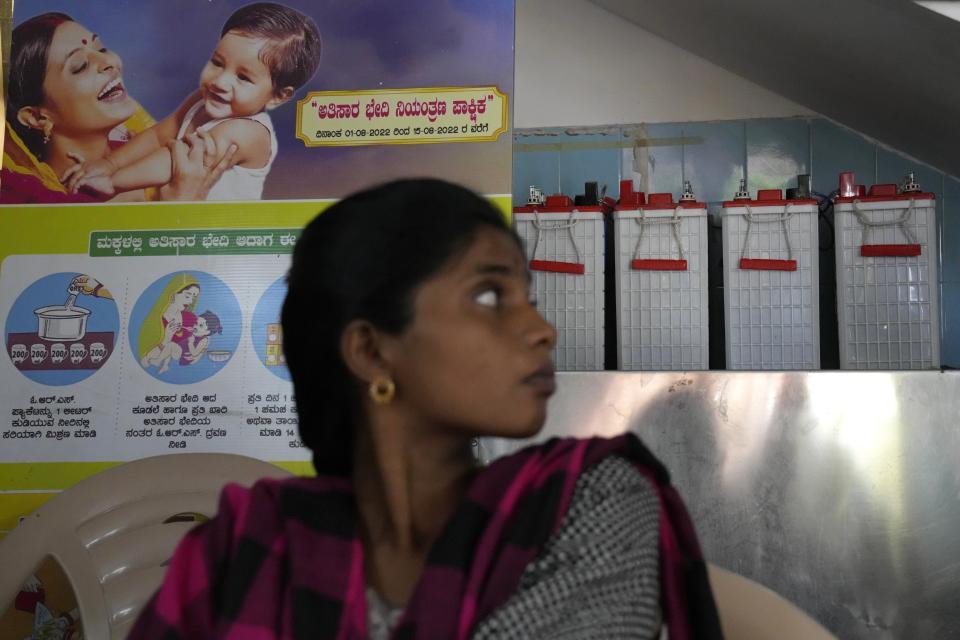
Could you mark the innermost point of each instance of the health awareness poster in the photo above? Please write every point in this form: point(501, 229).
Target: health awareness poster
point(142, 318)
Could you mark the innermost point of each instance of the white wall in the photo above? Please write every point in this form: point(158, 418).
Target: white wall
point(578, 64)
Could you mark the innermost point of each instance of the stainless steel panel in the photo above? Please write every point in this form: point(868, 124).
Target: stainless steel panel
point(839, 491)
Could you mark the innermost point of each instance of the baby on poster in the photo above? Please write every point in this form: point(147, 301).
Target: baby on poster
point(265, 53)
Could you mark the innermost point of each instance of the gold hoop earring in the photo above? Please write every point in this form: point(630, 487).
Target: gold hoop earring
point(382, 390)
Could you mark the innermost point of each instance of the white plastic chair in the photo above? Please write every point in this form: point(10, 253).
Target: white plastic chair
point(114, 532)
point(750, 611)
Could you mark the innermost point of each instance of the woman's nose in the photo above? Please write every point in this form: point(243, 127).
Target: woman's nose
point(539, 331)
point(108, 61)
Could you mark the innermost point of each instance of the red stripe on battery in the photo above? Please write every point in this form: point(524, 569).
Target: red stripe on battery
point(889, 250)
point(761, 264)
point(558, 267)
point(659, 265)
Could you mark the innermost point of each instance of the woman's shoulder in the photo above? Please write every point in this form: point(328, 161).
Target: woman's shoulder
point(552, 469)
point(269, 511)
point(243, 550)
point(597, 575)
point(271, 503)
point(615, 496)
point(613, 520)
point(577, 455)
point(614, 474)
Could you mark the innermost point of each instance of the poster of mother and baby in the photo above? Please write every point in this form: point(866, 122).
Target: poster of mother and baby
point(113, 101)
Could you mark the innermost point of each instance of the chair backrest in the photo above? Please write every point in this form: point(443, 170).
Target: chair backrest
point(750, 611)
point(114, 532)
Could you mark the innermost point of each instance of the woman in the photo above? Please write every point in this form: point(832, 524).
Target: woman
point(67, 103)
point(409, 331)
point(174, 312)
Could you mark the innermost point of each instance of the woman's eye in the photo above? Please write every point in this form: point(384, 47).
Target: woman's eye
point(103, 50)
point(488, 298)
point(244, 78)
point(216, 63)
point(79, 69)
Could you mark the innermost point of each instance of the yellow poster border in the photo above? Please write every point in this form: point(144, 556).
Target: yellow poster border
point(66, 229)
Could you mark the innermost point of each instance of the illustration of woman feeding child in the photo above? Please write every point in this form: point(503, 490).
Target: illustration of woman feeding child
point(184, 335)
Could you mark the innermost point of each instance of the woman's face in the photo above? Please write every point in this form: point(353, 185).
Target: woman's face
point(186, 297)
point(83, 87)
point(476, 357)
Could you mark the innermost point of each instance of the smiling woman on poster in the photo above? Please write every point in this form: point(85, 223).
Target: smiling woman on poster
point(67, 104)
point(265, 53)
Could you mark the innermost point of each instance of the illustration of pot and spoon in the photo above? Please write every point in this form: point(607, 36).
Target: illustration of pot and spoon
point(65, 322)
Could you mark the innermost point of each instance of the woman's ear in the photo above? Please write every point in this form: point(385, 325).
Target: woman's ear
point(365, 350)
point(280, 97)
point(32, 118)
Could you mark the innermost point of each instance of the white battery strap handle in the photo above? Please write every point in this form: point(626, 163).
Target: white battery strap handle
point(557, 266)
point(911, 248)
point(767, 264)
point(656, 264)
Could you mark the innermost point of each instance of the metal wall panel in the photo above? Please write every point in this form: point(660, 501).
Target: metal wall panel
point(839, 491)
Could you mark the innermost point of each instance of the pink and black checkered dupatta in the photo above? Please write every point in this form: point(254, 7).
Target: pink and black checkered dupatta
point(283, 561)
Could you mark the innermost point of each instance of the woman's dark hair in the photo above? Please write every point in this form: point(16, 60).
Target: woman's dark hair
point(364, 258)
point(29, 49)
point(292, 51)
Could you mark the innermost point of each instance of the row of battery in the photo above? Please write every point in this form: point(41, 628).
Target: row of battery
point(887, 297)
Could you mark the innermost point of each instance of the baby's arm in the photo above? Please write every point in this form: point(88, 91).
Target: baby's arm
point(154, 138)
point(251, 138)
point(154, 170)
point(141, 146)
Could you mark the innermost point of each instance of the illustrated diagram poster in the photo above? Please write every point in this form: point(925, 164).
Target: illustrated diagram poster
point(136, 324)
